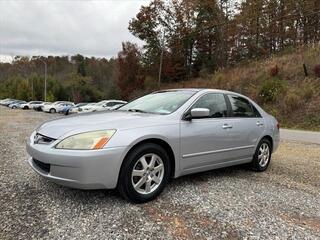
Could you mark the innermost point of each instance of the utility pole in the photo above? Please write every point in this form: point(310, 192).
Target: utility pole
point(161, 59)
point(32, 90)
point(45, 79)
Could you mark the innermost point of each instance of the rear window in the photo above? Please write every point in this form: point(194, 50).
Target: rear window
point(241, 107)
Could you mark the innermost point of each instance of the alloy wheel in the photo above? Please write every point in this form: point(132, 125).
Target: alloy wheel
point(264, 154)
point(147, 173)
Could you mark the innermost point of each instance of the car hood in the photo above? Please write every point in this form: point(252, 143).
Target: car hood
point(63, 127)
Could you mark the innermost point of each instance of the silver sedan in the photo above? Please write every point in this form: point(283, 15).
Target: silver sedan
point(163, 135)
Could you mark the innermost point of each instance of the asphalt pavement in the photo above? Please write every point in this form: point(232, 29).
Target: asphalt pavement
point(301, 136)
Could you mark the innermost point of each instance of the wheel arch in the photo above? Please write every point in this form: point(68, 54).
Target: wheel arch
point(166, 146)
point(270, 139)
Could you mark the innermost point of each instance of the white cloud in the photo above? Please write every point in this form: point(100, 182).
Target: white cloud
point(92, 28)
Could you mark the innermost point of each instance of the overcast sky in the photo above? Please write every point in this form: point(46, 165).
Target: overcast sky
point(65, 27)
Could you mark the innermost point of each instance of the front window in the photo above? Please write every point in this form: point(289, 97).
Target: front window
point(159, 103)
point(216, 104)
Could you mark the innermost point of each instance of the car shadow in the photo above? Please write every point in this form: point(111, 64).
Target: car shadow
point(198, 178)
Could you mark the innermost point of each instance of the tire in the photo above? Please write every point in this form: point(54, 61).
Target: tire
point(26, 108)
point(52, 110)
point(14, 107)
point(133, 163)
point(262, 156)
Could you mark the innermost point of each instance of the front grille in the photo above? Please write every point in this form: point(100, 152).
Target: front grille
point(41, 139)
point(43, 166)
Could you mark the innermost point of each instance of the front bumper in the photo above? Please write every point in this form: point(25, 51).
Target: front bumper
point(83, 169)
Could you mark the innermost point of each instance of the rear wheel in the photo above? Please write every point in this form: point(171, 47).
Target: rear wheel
point(262, 156)
point(52, 110)
point(26, 107)
point(144, 173)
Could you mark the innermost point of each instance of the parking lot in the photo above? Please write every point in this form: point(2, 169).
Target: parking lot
point(231, 203)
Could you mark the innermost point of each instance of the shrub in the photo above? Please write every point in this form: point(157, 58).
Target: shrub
point(274, 71)
point(150, 83)
point(219, 80)
point(312, 121)
point(270, 89)
point(204, 73)
point(292, 101)
point(317, 70)
point(307, 89)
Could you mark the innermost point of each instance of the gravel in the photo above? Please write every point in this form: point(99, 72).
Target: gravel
point(231, 203)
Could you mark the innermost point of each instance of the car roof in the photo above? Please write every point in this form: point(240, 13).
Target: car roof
point(194, 90)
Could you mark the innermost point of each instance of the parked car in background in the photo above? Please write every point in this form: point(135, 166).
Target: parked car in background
point(72, 109)
point(39, 107)
point(9, 101)
point(5, 101)
point(62, 106)
point(166, 134)
point(100, 106)
point(54, 107)
point(30, 105)
point(85, 108)
point(16, 104)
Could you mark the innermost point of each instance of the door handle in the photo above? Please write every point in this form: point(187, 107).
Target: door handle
point(226, 126)
point(259, 124)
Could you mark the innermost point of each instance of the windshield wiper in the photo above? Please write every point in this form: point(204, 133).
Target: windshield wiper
point(136, 110)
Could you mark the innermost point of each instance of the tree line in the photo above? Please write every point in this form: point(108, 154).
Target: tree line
point(76, 78)
point(187, 38)
point(192, 38)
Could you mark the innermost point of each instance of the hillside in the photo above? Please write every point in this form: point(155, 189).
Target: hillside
point(278, 84)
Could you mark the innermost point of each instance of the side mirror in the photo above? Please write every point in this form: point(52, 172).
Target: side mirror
point(198, 113)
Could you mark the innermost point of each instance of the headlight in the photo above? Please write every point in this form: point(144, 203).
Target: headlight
point(87, 141)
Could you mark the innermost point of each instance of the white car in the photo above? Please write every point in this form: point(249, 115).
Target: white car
point(55, 107)
point(30, 105)
point(100, 106)
point(40, 106)
point(75, 108)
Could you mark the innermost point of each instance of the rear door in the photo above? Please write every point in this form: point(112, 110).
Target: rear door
point(247, 126)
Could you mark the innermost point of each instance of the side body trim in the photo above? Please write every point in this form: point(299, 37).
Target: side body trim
point(216, 151)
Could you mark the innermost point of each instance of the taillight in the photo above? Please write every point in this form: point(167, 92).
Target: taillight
point(278, 126)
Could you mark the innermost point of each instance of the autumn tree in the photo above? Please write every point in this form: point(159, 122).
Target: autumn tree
point(130, 70)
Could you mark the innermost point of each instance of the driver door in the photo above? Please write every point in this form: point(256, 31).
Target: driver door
point(204, 140)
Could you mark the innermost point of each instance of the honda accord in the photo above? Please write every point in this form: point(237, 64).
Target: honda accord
point(162, 135)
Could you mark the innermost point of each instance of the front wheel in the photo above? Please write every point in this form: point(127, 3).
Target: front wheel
point(262, 156)
point(144, 173)
point(52, 110)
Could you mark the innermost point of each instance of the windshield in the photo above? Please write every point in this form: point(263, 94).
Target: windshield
point(159, 103)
